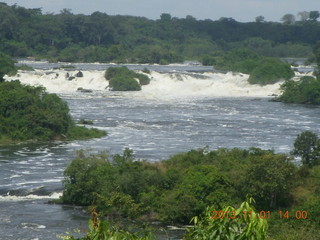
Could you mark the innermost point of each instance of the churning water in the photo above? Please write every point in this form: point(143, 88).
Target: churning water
point(183, 108)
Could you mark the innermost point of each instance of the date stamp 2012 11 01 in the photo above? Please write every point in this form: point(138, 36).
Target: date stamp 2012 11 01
point(261, 214)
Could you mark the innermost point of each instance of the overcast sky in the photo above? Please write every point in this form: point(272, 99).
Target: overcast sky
point(240, 10)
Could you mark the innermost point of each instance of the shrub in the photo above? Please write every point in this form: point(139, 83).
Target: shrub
point(304, 91)
point(262, 70)
point(236, 225)
point(270, 71)
point(123, 83)
point(103, 230)
point(123, 79)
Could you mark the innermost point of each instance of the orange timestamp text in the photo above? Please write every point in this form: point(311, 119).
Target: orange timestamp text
point(262, 214)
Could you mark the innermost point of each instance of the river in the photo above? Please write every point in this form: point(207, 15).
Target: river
point(185, 107)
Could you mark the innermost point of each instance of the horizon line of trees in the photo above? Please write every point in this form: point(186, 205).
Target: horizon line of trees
point(105, 38)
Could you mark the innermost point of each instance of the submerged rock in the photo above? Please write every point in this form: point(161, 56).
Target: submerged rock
point(84, 90)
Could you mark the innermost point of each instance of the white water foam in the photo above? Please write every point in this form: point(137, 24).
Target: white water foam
point(162, 85)
point(56, 81)
point(205, 85)
point(54, 195)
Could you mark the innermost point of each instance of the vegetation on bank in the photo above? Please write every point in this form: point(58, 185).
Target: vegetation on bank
point(100, 37)
point(262, 70)
point(177, 189)
point(31, 114)
point(123, 79)
point(246, 224)
point(306, 90)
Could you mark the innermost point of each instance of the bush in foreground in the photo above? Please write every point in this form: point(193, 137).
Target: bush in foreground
point(229, 223)
point(175, 190)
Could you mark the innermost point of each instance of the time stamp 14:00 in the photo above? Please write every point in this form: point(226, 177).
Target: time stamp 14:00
point(261, 214)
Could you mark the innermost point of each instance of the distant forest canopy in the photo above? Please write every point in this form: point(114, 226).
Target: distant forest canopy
point(104, 38)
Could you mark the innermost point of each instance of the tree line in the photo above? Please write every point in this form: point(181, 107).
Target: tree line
point(105, 38)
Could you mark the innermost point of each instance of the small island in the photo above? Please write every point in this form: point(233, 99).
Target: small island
point(29, 113)
point(124, 79)
point(263, 70)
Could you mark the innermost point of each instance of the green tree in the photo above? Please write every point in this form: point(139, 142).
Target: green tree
point(260, 19)
point(6, 66)
point(288, 19)
point(314, 15)
point(307, 146)
point(200, 186)
point(269, 179)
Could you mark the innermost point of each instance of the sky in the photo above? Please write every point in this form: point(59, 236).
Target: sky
point(240, 10)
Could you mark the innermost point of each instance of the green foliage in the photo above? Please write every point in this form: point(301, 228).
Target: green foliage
point(304, 91)
point(270, 71)
point(307, 146)
point(208, 60)
point(104, 38)
point(30, 113)
point(80, 132)
point(240, 60)
point(122, 83)
point(176, 189)
point(316, 51)
point(245, 223)
point(6, 66)
point(183, 186)
point(25, 67)
point(269, 179)
point(116, 182)
point(123, 79)
point(84, 121)
point(262, 70)
point(103, 230)
point(200, 186)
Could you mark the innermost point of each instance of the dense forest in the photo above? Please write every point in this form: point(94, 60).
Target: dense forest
point(104, 38)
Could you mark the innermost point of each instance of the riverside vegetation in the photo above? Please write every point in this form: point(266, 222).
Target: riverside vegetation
point(177, 189)
point(307, 89)
point(31, 114)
